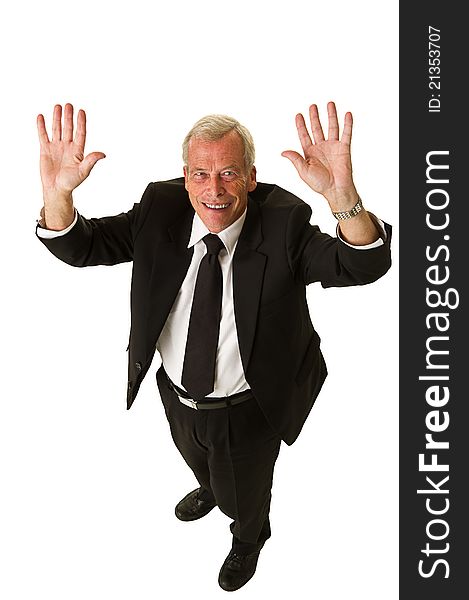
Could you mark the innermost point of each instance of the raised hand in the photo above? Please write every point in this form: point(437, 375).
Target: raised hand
point(326, 165)
point(327, 168)
point(63, 163)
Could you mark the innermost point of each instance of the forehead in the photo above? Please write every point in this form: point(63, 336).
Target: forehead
point(229, 149)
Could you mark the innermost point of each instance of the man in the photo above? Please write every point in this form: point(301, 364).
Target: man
point(220, 268)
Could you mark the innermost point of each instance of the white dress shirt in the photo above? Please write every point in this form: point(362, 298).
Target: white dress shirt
point(229, 374)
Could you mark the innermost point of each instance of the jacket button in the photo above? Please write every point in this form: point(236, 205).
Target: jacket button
point(138, 366)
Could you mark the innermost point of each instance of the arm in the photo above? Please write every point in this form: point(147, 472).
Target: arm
point(315, 256)
point(103, 241)
point(326, 168)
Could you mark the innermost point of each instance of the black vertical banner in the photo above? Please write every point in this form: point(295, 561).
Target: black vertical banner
point(434, 265)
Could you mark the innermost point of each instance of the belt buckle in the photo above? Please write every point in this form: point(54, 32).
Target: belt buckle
point(188, 402)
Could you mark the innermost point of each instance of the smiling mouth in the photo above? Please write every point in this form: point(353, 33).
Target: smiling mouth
point(216, 206)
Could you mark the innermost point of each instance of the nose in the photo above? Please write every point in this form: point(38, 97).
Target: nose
point(215, 185)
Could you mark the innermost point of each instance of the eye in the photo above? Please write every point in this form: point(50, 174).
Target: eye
point(228, 174)
point(199, 175)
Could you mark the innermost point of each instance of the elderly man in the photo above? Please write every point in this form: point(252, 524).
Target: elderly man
point(220, 267)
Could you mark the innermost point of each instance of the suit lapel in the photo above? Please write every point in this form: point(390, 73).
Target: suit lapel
point(171, 262)
point(248, 276)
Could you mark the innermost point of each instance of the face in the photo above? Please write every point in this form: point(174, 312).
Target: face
point(217, 181)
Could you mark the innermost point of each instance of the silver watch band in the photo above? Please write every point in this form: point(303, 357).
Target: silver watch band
point(348, 214)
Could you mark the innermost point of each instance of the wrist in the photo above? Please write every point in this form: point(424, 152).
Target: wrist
point(342, 200)
point(343, 215)
point(58, 211)
point(56, 197)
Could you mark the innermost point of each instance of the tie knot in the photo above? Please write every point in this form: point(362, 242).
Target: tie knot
point(213, 243)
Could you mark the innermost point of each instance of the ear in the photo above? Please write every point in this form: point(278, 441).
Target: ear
point(252, 183)
point(186, 175)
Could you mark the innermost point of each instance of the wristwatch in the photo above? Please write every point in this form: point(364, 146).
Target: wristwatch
point(348, 214)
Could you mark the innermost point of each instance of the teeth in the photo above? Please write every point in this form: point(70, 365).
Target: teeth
point(217, 205)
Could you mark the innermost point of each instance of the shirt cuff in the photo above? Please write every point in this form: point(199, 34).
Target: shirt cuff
point(48, 234)
point(379, 242)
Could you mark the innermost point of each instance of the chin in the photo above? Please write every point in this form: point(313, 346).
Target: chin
point(216, 223)
point(216, 226)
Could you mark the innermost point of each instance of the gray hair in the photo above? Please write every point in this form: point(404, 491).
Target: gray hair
point(214, 127)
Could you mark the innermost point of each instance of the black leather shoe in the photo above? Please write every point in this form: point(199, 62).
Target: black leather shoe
point(237, 570)
point(191, 507)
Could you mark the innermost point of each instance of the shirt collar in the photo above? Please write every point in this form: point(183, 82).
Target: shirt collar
point(228, 236)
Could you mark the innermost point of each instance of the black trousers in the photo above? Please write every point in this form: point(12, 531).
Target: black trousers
point(232, 452)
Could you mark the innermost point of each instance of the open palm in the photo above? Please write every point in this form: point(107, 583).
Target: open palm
point(326, 165)
point(63, 164)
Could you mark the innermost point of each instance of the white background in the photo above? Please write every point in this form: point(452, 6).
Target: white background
point(88, 489)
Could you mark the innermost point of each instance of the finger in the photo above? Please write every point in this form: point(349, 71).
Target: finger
point(80, 135)
point(303, 134)
point(347, 132)
point(316, 127)
point(89, 162)
point(42, 131)
point(67, 135)
point(57, 123)
point(333, 130)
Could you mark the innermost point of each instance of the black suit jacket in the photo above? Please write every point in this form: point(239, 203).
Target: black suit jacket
point(278, 253)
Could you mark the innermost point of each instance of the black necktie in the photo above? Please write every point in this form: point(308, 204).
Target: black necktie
point(198, 372)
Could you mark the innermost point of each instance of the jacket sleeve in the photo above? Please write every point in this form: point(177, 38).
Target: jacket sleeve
point(318, 257)
point(103, 241)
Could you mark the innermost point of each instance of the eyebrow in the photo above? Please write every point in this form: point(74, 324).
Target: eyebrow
point(233, 166)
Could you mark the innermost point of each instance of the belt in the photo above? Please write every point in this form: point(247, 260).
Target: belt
point(209, 403)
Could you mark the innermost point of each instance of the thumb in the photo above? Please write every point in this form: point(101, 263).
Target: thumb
point(90, 160)
point(296, 159)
